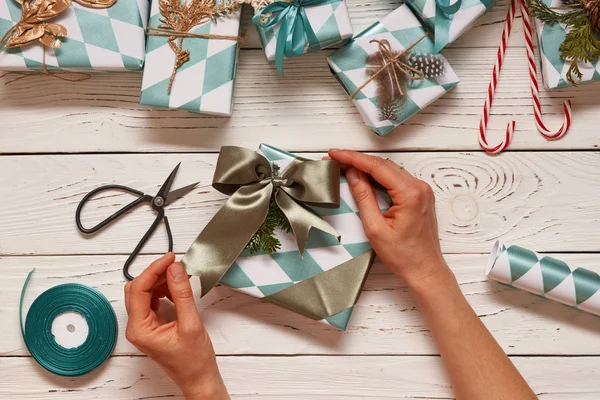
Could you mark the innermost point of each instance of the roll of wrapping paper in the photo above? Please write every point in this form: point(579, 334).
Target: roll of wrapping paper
point(41, 343)
point(545, 276)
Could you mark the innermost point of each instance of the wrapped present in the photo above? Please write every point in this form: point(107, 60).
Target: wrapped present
point(449, 19)
point(291, 28)
point(191, 61)
point(316, 272)
point(51, 35)
point(568, 36)
point(391, 71)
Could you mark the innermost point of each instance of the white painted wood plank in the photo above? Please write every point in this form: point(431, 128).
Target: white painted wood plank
point(526, 198)
point(318, 378)
point(385, 321)
point(307, 111)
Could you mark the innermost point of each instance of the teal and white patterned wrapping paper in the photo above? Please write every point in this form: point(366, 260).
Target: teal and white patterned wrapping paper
point(447, 28)
point(545, 276)
point(261, 274)
point(401, 28)
point(331, 23)
point(554, 68)
point(111, 39)
point(205, 83)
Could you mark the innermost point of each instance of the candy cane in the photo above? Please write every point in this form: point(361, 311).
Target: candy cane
point(492, 88)
point(535, 94)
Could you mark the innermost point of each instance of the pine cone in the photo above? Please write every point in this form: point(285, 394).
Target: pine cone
point(593, 10)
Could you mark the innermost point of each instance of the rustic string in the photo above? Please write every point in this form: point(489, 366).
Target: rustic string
point(83, 76)
point(392, 60)
point(173, 34)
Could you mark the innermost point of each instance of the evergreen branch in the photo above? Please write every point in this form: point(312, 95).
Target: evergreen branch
point(548, 16)
point(264, 239)
point(580, 45)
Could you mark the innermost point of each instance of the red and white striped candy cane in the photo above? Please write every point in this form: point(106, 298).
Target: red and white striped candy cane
point(510, 18)
point(537, 107)
point(535, 93)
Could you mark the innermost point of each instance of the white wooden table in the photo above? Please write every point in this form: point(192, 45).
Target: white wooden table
point(58, 141)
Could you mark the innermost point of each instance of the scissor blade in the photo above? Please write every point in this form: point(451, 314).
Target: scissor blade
point(166, 187)
point(179, 193)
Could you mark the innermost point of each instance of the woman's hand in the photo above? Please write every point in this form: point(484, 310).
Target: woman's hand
point(405, 237)
point(181, 347)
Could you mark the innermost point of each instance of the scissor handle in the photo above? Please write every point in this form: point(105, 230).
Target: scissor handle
point(161, 216)
point(142, 198)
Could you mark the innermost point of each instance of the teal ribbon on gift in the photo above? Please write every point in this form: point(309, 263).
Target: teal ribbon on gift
point(443, 18)
point(295, 32)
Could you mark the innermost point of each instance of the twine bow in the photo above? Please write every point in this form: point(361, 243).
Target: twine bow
point(295, 32)
point(180, 16)
point(393, 63)
point(247, 176)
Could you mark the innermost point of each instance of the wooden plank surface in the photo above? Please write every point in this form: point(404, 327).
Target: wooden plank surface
point(520, 197)
point(318, 378)
point(385, 321)
point(308, 110)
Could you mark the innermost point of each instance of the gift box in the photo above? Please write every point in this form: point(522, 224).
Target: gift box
point(325, 280)
point(107, 39)
point(324, 22)
point(555, 69)
point(449, 20)
point(204, 82)
point(391, 71)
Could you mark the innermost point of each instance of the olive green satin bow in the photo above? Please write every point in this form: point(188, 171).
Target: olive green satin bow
point(248, 177)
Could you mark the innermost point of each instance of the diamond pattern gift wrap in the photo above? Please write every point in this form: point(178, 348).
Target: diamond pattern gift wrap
point(350, 66)
point(330, 22)
point(205, 82)
point(110, 39)
point(262, 274)
point(449, 20)
point(554, 68)
point(545, 276)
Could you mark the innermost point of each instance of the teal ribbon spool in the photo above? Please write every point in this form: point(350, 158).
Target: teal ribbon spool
point(295, 32)
point(37, 330)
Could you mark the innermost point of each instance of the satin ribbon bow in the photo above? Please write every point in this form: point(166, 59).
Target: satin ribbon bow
point(247, 177)
point(442, 21)
point(295, 32)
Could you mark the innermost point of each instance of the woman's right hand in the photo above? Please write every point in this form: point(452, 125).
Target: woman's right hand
point(405, 237)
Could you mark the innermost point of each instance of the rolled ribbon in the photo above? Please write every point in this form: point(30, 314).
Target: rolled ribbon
point(248, 178)
point(295, 32)
point(37, 330)
point(545, 276)
point(444, 10)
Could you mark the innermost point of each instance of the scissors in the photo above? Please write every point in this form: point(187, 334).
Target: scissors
point(163, 198)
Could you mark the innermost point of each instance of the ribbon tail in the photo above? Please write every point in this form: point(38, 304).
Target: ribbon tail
point(329, 292)
point(302, 219)
point(222, 241)
point(280, 46)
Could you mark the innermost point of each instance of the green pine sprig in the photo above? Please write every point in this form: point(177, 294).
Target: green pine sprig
point(581, 43)
point(264, 239)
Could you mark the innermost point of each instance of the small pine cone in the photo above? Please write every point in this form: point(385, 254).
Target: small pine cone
point(432, 65)
point(593, 10)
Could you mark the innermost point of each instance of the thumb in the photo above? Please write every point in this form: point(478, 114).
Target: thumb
point(180, 288)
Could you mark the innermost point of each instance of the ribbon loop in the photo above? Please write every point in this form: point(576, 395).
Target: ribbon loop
point(247, 176)
point(295, 32)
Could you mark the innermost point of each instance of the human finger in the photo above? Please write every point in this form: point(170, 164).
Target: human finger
point(363, 194)
point(188, 319)
point(140, 295)
point(383, 171)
